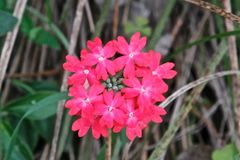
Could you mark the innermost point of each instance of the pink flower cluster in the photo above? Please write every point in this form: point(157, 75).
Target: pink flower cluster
point(116, 86)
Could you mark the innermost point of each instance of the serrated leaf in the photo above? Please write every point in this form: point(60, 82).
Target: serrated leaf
point(43, 37)
point(7, 22)
point(227, 152)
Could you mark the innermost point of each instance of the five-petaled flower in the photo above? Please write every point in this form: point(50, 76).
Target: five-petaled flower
point(124, 85)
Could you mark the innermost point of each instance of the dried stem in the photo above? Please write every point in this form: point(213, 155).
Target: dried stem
point(115, 19)
point(234, 66)
point(71, 51)
point(14, 66)
point(215, 9)
point(10, 40)
point(108, 146)
point(90, 17)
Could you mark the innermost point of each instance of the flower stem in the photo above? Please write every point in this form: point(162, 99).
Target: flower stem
point(108, 146)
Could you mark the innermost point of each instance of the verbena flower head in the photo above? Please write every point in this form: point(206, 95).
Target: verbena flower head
point(125, 84)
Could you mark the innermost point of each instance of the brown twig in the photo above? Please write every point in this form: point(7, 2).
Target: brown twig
point(10, 39)
point(108, 146)
point(34, 74)
point(29, 48)
point(14, 66)
point(211, 7)
point(71, 51)
point(42, 59)
point(90, 18)
point(115, 19)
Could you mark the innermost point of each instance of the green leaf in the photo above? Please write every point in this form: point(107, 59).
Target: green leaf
point(30, 102)
point(45, 128)
point(20, 151)
point(49, 85)
point(59, 34)
point(26, 24)
point(36, 111)
point(101, 155)
point(141, 21)
point(7, 22)
point(227, 152)
point(2, 4)
point(21, 85)
point(43, 37)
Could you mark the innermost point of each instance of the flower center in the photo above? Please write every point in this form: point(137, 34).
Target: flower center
point(86, 71)
point(154, 73)
point(100, 58)
point(87, 100)
point(131, 55)
point(142, 90)
point(131, 115)
point(110, 109)
point(114, 82)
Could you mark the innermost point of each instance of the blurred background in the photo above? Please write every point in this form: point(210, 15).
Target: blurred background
point(200, 125)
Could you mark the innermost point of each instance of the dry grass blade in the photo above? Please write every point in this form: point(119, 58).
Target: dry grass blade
point(10, 39)
point(234, 66)
point(71, 50)
point(169, 134)
point(194, 84)
point(163, 144)
point(215, 9)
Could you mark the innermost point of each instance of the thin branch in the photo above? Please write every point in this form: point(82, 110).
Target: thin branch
point(90, 17)
point(108, 146)
point(194, 84)
point(115, 19)
point(10, 40)
point(234, 66)
point(215, 9)
point(71, 51)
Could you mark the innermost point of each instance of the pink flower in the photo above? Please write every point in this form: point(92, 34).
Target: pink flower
point(99, 56)
point(82, 125)
point(83, 100)
point(147, 91)
point(81, 72)
point(132, 132)
point(131, 54)
point(163, 71)
point(109, 110)
point(119, 91)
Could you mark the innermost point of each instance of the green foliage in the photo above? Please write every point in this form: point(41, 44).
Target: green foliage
point(7, 22)
point(22, 86)
point(227, 152)
point(21, 150)
point(43, 37)
point(54, 28)
point(140, 24)
point(2, 4)
point(23, 104)
point(50, 85)
point(26, 24)
point(38, 111)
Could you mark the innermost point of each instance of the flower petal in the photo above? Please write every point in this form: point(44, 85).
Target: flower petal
point(129, 70)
